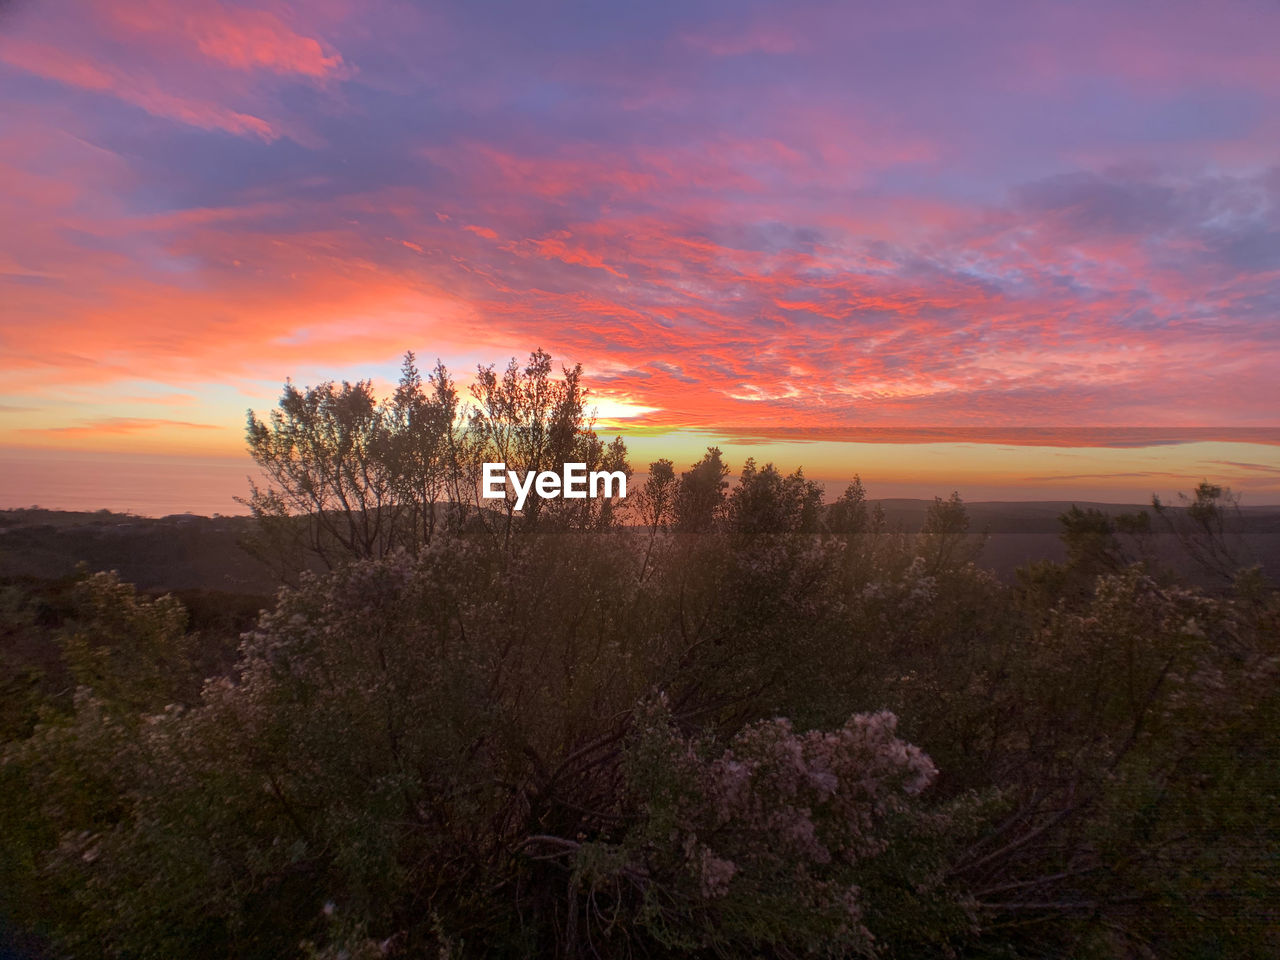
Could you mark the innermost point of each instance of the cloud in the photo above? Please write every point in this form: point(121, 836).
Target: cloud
point(117, 426)
point(1138, 475)
point(230, 35)
point(172, 60)
point(810, 224)
point(55, 64)
point(734, 40)
point(160, 400)
point(252, 40)
point(822, 324)
point(1069, 437)
point(1271, 469)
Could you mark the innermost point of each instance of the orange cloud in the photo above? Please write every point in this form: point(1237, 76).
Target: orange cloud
point(117, 425)
point(783, 260)
point(1073, 437)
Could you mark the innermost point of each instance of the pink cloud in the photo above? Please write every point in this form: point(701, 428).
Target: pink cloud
point(56, 64)
point(196, 63)
point(761, 259)
point(734, 40)
point(232, 36)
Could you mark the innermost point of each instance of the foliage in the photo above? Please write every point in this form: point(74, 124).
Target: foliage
point(762, 844)
point(1208, 525)
point(655, 504)
point(1099, 543)
point(744, 726)
point(848, 516)
point(352, 477)
point(944, 538)
point(764, 501)
point(531, 422)
point(700, 497)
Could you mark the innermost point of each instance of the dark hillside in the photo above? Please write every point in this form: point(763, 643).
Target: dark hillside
point(180, 552)
point(186, 552)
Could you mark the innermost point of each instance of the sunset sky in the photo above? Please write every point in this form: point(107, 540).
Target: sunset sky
point(1025, 250)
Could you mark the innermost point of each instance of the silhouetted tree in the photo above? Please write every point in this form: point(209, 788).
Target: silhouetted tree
point(349, 476)
point(423, 447)
point(1099, 543)
point(325, 452)
point(701, 495)
point(944, 537)
point(848, 515)
point(655, 503)
point(532, 422)
point(1207, 525)
point(764, 501)
point(353, 477)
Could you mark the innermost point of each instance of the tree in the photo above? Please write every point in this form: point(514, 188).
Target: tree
point(423, 447)
point(532, 422)
point(349, 476)
point(1099, 543)
point(764, 501)
point(1207, 525)
point(701, 494)
point(848, 515)
point(655, 503)
point(944, 538)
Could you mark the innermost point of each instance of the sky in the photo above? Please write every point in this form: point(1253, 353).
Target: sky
point(1024, 250)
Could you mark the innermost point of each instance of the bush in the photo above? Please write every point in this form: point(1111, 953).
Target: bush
point(743, 728)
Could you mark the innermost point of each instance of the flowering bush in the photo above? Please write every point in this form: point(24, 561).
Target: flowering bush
point(866, 745)
point(759, 844)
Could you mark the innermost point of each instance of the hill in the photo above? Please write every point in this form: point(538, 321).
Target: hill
point(190, 552)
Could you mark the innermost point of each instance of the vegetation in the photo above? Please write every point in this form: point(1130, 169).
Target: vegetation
point(350, 476)
point(741, 723)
